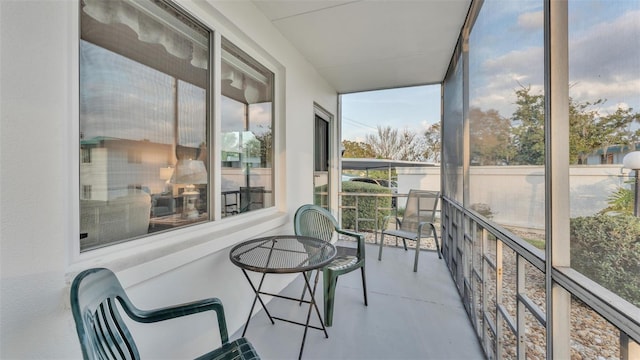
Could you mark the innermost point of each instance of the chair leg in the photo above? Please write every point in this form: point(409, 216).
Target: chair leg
point(415, 262)
point(329, 282)
point(380, 245)
point(364, 286)
point(435, 237)
point(404, 242)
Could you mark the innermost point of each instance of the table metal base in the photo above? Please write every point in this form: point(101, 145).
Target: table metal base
point(311, 302)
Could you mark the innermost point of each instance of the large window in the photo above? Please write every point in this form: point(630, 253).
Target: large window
point(146, 121)
point(247, 133)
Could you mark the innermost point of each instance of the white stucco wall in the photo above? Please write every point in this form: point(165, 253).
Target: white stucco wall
point(39, 186)
point(516, 194)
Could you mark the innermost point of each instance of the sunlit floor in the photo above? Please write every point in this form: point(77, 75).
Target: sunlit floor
point(410, 315)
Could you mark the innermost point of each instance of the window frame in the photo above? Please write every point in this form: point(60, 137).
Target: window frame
point(254, 222)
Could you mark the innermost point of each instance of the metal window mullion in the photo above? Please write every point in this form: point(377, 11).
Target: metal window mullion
point(214, 127)
point(557, 175)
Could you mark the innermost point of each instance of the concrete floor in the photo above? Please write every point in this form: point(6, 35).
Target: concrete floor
point(410, 315)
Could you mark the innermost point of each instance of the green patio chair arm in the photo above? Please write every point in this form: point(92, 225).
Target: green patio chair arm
point(356, 235)
point(171, 312)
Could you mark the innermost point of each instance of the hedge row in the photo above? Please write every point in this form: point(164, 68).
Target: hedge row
point(366, 205)
point(607, 250)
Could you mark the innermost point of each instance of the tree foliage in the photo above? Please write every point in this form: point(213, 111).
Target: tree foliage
point(518, 140)
point(432, 148)
point(357, 149)
point(607, 250)
point(490, 138)
point(621, 201)
point(589, 129)
point(389, 143)
point(528, 128)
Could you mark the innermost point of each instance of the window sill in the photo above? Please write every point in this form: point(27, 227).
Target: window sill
point(142, 259)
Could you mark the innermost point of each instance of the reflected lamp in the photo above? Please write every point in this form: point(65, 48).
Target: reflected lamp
point(165, 174)
point(190, 173)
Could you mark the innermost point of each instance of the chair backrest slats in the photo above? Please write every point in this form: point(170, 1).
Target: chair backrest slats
point(316, 222)
point(102, 324)
point(421, 207)
point(102, 331)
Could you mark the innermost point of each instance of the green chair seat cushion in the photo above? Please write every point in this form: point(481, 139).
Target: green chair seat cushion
point(343, 262)
point(346, 257)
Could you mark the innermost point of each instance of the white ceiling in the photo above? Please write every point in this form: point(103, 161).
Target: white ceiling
point(371, 44)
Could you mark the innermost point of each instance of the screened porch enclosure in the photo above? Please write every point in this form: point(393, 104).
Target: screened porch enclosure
point(555, 299)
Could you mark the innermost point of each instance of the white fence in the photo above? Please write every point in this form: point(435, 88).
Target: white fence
point(516, 194)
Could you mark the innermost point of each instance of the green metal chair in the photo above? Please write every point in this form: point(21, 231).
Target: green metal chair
point(420, 211)
point(312, 220)
point(104, 335)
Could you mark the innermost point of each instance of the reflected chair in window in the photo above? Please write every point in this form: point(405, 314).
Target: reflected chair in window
point(420, 211)
point(162, 205)
point(230, 202)
point(251, 198)
point(314, 221)
point(102, 331)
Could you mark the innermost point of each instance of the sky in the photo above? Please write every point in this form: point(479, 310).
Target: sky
point(507, 53)
point(414, 108)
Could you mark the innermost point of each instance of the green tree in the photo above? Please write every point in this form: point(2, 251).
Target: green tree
point(357, 149)
point(389, 143)
point(433, 143)
point(589, 129)
point(528, 128)
point(490, 137)
point(266, 147)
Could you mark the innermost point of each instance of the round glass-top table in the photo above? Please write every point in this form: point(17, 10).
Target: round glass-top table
point(284, 254)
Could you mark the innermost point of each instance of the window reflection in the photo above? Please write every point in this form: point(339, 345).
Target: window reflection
point(143, 121)
point(247, 133)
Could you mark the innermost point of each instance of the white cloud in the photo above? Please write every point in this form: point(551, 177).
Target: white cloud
point(604, 64)
point(531, 20)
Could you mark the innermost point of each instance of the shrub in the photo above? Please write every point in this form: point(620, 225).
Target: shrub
point(366, 205)
point(318, 190)
point(621, 201)
point(483, 209)
point(607, 250)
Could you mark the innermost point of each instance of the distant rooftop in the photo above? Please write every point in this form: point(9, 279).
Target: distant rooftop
point(370, 164)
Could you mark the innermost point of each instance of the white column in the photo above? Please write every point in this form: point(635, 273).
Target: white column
point(557, 175)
